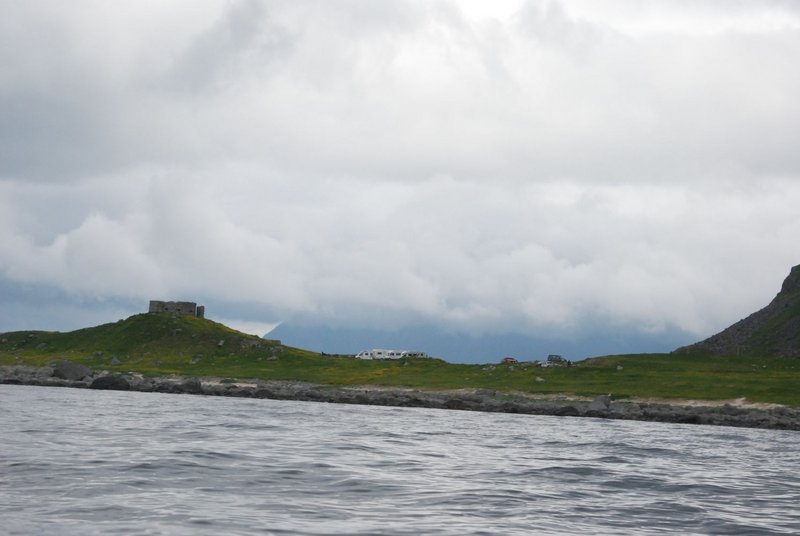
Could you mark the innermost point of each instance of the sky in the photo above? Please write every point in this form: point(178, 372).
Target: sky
point(615, 175)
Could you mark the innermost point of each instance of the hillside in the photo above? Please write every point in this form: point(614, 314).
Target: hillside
point(149, 342)
point(773, 331)
point(153, 345)
point(164, 343)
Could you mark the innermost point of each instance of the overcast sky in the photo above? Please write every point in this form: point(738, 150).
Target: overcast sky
point(481, 167)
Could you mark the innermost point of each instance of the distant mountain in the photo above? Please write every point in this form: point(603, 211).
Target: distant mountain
point(474, 348)
point(773, 331)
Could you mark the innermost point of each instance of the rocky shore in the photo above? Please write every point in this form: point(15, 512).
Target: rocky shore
point(730, 413)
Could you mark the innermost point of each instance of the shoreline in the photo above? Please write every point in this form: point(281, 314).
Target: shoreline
point(737, 413)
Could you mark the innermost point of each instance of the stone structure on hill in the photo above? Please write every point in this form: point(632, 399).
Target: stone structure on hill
point(178, 308)
point(772, 331)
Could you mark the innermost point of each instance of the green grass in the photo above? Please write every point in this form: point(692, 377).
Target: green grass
point(155, 344)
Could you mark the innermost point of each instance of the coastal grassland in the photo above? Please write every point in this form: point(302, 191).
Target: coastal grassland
point(160, 344)
point(697, 376)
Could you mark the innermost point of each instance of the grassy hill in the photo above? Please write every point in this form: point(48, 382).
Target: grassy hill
point(155, 344)
point(151, 343)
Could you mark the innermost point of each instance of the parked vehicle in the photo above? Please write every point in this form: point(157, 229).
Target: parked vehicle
point(379, 353)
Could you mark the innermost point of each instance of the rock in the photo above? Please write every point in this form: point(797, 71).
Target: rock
point(688, 419)
point(113, 382)
point(67, 370)
point(310, 394)
point(140, 383)
point(191, 385)
point(620, 367)
point(567, 411)
point(728, 409)
point(116, 361)
point(221, 343)
point(601, 403)
point(510, 407)
point(265, 392)
point(628, 410)
point(539, 379)
point(165, 387)
point(43, 373)
point(213, 389)
point(235, 390)
point(457, 403)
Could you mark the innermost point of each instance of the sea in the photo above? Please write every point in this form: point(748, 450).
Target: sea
point(75, 461)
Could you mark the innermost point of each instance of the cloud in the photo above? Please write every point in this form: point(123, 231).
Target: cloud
point(536, 169)
point(259, 329)
point(478, 256)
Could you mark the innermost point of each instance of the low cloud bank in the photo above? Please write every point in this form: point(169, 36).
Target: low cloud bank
point(536, 170)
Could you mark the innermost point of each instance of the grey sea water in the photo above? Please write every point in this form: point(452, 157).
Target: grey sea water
point(95, 462)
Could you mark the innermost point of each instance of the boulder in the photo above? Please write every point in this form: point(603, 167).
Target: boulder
point(265, 392)
point(140, 383)
point(67, 370)
point(165, 387)
point(116, 361)
point(235, 390)
point(627, 410)
point(191, 386)
point(310, 394)
point(567, 411)
point(601, 403)
point(457, 403)
point(112, 382)
point(43, 373)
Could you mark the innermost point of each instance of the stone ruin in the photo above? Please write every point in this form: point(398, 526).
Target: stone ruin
point(178, 308)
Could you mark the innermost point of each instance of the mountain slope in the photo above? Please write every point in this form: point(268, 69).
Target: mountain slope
point(773, 331)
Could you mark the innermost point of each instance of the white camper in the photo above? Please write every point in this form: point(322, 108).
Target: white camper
point(380, 353)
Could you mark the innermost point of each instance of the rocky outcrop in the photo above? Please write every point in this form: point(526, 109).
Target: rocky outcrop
point(25, 375)
point(601, 403)
point(603, 406)
point(113, 382)
point(772, 331)
point(190, 386)
point(67, 370)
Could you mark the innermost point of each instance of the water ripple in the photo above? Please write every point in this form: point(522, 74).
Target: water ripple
point(89, 462)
